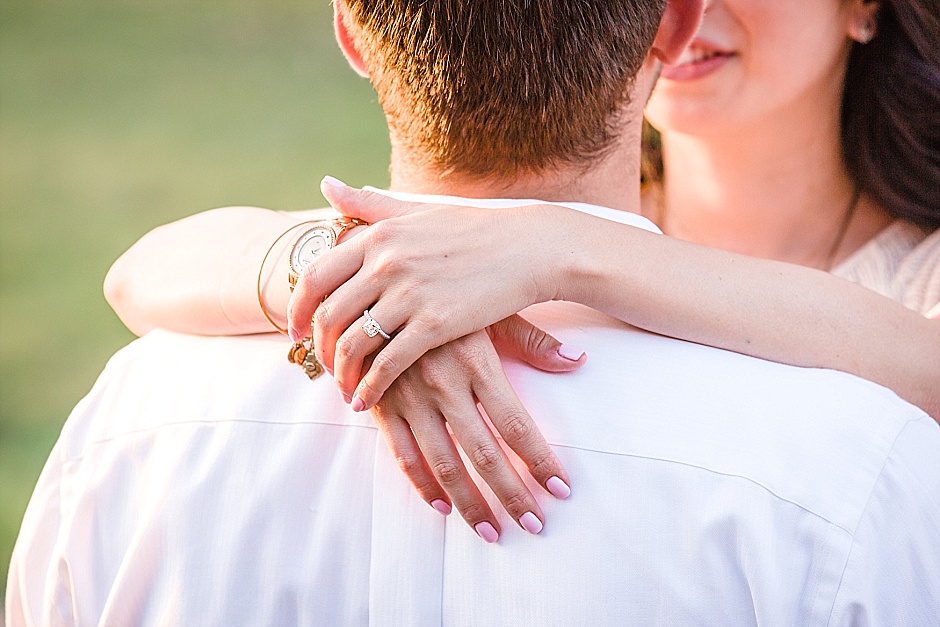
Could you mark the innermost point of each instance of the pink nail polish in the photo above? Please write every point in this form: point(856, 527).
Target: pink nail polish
point(294, 334)
point(441, 506)
point(569, 353)
point(486, 531)
point(334, 182)
point(530, 522)
point(558, 488)
point(358, 404)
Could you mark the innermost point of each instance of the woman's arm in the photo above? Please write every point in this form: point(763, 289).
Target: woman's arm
point(199, 274)
point(768, 309)
point(435, 273)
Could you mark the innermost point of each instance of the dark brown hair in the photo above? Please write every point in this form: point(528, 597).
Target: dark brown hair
point(890, 114)
point(500, 87)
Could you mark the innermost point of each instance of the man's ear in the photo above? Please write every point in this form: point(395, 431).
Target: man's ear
point(345, 41)
point(680, 22)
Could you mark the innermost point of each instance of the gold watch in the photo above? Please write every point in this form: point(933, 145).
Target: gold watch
point(315, 241)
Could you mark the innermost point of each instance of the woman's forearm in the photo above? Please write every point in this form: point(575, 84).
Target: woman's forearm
point(199, 274)
point(768, 309)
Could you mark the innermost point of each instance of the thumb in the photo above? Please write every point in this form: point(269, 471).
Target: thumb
point(517, 337)
point(363, 204)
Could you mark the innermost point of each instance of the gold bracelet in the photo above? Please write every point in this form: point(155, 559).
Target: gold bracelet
point(261, 272)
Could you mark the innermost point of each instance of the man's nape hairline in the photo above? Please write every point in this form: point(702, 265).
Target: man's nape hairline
point(501, 87)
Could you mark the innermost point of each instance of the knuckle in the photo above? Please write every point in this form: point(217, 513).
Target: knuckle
point(380, 232)
point(387, 263)
point(473, 513)
point(543, 465)
point(409, 463)
point(323, 316)
point(347, 348)
point(385, 365)
point(432, 374)
point(470, 352)
point(448, 472)
point(517, 504)
point(426, 486)
point(434, 320)
point(486, 458)
point(517, 427)
point(367, 391)
point(310, 277)
point(537, 340)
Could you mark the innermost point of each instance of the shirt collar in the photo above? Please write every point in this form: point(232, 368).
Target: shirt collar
point(606, 213)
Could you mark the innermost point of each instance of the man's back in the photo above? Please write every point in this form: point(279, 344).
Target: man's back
point(207, 481)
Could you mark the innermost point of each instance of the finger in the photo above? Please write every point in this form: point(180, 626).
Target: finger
point(338, 313)
point(355, 344)
point(320, 279)
point(491, 463)
point(401, 441)
point(412, 341)
point(363, 204)
point(442, 456)
point(517, 337)
point(519, 431)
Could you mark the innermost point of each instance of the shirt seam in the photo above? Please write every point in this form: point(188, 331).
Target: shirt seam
point(755, 482)
point(204, 421)
point(871, 494)
point(769, 490)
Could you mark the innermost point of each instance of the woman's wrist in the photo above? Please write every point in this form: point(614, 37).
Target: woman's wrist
point(555, 254)
point(590, 268)
point(275, 293)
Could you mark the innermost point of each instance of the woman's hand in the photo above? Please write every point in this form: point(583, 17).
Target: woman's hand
point(480, 266)
point(444, 387)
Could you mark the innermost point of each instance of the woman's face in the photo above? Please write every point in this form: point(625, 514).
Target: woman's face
point(752, 62)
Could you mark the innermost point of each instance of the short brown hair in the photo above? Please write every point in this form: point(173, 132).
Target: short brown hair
point(500, 87)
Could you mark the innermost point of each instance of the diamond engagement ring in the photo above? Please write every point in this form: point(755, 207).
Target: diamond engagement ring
point(372, 328)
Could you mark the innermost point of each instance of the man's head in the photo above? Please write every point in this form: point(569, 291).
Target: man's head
point(500, 88)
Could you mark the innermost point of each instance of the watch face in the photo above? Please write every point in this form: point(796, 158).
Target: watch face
point(311, 245)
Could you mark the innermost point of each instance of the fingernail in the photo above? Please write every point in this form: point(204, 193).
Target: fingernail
point(358, 404)
point(334, 182)
point(530, 522)
point(294, 334)
point(558, 488)
point(486, 531)
point(441, 506)
point(570, 353)
point(346, 397)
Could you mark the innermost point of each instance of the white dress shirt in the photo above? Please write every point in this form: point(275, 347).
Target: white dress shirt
point(206, 481)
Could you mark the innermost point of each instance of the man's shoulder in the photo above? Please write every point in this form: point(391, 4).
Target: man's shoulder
point(817, 439)
point(814, 438)
point(166, 379)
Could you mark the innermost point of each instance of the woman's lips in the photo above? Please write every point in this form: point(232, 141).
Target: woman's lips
point(698, 60)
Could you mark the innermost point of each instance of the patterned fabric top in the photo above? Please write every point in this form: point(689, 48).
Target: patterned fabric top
point(903, 263)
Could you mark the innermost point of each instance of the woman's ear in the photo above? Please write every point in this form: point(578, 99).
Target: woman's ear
point(863, 20)
point(681, 20)
point(345, 42)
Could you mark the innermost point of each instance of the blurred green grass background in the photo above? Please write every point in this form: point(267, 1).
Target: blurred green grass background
point(117, 116)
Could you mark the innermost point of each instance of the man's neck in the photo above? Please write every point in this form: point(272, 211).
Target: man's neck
point(613, 181)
